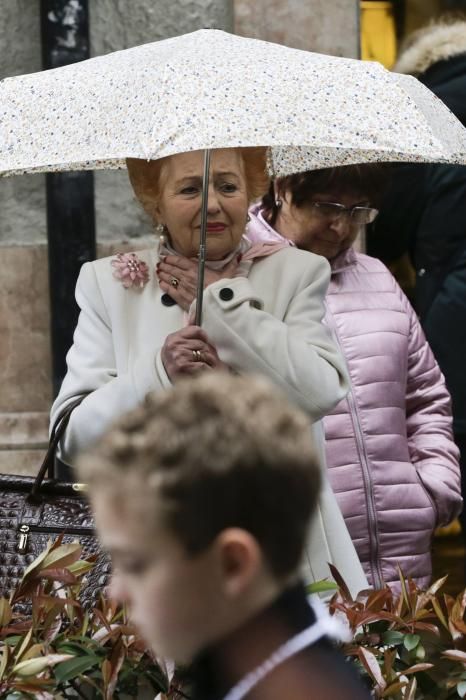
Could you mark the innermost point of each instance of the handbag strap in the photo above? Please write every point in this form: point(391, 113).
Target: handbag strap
point(58, 429)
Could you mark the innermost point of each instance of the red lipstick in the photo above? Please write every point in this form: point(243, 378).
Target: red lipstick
point(216, 226)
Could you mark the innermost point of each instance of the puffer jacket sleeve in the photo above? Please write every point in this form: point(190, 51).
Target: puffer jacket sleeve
point(429, 424)
point(296, 353)
point(92, 373)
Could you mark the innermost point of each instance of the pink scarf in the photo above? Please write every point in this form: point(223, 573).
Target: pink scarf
point(248, 251)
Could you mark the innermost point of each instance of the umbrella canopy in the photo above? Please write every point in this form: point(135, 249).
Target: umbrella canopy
point(210, 89)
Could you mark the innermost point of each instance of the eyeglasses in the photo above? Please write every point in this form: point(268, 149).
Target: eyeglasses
point(334, 210)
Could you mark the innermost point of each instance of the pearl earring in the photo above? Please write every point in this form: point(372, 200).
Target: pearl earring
point(278, 202)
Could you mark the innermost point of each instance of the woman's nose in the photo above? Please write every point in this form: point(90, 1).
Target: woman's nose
point(213, 205)
point(341, 225)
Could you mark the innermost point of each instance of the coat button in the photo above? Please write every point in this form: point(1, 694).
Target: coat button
point(226, 294)
point(422, 272)
point(167, 300)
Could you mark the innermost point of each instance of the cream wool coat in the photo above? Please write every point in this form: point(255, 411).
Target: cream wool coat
point(267, 323)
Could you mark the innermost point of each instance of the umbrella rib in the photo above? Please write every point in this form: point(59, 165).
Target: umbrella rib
point(203, 237)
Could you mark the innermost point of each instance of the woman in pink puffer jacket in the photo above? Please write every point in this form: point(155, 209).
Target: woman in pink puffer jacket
point(390, 453)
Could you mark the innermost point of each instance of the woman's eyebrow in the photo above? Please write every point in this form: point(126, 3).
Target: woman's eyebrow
point(225, 173)
point(188, 178)
point(197, 179)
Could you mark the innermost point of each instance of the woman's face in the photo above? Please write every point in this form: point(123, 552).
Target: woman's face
point(310, 229)
point(179, 205)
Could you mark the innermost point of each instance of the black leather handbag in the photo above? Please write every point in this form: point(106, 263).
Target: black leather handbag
point(36, 510)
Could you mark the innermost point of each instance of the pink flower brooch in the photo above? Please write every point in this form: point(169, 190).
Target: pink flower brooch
point(130, 270)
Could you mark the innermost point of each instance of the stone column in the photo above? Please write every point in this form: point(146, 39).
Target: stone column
point(25, 360)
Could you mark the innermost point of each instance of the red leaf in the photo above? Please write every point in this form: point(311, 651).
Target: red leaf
point(372, 667)
point(417, 667)
point(338, 578)
point(378, 599)
point(455, 655)
point(62, 575)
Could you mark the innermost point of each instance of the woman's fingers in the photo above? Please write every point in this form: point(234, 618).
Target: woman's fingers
point(188, 351)
point(178, 272)
point(178, 261)
point(189, 332)
point(187, 282)
point(185, 272)
point(179, 294)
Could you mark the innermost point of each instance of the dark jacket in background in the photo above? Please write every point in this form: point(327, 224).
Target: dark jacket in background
point(424, 212)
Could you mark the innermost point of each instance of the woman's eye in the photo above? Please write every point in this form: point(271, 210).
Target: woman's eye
point(189, 190)
point(228, 187)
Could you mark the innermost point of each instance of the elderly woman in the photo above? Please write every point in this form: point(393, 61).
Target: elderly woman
point(263, 307)
point(391, 459)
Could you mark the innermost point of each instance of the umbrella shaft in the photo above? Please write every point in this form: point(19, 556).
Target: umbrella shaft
point(203, 238)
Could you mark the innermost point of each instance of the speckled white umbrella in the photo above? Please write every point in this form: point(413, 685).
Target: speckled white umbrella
point(211, 89)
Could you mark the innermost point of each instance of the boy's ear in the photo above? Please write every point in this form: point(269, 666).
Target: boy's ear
point(240, 560)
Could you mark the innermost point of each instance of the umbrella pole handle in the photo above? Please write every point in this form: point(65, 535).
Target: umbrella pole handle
point(203, 238)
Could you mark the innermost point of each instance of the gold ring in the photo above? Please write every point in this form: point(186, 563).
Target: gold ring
point(174, 282)
point(197, 356)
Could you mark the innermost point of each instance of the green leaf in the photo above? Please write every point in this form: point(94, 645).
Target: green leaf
point(30, 667)
point(81, 567)
point(411, 641)
point(62, 556)
point(461, 689)
point(74, 667)
point(37, 562)
point(73, 648)
point(13, 639)
point(321, 587)
point(5, 612)
point(24, 645)
point(4, 660)
point(392, 637)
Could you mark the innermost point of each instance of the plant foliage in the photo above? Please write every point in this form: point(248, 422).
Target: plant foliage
point(50, 647)
point(408, 646)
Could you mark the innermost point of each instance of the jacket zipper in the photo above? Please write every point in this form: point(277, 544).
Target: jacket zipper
point(373, 535)
point(25, 530)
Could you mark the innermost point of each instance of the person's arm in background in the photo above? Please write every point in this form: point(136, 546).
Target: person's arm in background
point(429, 424)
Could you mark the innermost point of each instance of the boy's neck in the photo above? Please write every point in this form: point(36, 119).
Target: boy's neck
point(223, 664)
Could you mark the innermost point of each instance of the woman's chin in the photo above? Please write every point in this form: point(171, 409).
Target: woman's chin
point(217, 250)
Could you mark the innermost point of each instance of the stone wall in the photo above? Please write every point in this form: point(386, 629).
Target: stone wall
point(25, 359)
point(323, 26)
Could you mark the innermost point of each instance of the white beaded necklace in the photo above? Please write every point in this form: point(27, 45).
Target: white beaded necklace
point(325, 626)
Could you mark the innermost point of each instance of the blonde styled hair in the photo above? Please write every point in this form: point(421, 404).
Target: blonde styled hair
point(216, 451)
point(144, 176)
